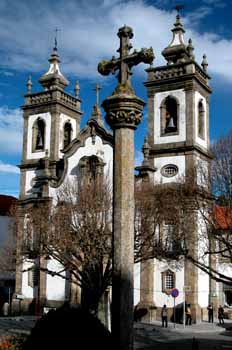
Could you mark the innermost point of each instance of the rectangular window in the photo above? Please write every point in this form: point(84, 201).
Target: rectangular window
point(169, 281)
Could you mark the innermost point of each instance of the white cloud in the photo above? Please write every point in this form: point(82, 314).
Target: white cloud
point(11, 122)
point(8, 168)
point(88, 34)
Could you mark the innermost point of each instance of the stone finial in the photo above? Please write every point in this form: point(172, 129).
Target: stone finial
point(77, 89)
point(146, 149)
point(204, 63)
point(176, 51)
point(53, 77)
point(96, 114)
point(190, 49)
point(29, 84)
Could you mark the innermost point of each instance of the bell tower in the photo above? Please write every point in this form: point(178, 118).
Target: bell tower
point(178, 137)
point(51, 122)
point(178, 110)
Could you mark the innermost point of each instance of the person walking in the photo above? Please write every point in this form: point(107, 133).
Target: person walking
point(5, 309)
point(188, 315)
point(221, 314)
point(164, 316)
point(210, 313)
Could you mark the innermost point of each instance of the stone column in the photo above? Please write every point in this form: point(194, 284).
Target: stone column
point(190, 270)
point(146, 174)
point(123, 113)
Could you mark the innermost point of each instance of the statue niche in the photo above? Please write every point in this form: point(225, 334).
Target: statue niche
point(67, 134)
point(169, 116)
point(38, 135)
point(201, 120)
point(90, 169)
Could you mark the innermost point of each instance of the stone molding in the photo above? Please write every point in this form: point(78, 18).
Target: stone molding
point(123, 111)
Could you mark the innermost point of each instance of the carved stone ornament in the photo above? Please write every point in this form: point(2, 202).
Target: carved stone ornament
point(123, 111)
point(127, 118)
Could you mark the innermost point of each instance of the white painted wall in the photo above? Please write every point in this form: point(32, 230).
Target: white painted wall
point(47, 118)
point(203, 278)
point(55, 285)
point(197, 98)
point(161, 298)
point(179, 161)
point(103, 151)
point(202, 172)
point(31, 174)
point(158, 99)
point(27, 291)
point(63, 119)
point(136, 283)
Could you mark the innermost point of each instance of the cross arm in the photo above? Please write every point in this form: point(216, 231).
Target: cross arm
point(143, 56)
point(106, 67)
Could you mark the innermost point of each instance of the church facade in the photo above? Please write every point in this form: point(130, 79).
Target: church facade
point(178, 141)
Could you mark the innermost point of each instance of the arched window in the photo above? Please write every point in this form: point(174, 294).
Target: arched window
point(67, 134)
point(168, 281)
point(38, 135)
point(201, 120)
point(169, 116)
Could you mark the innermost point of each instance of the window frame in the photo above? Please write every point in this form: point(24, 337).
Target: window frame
point(164, 275)
point(163, 111)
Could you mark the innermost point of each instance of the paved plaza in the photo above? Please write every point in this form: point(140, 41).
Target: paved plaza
point(204, 336)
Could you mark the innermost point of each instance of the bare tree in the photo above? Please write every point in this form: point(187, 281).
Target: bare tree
point(216, 214)
point(75, 230)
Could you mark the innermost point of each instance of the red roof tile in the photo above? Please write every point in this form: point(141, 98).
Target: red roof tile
point(223, 217)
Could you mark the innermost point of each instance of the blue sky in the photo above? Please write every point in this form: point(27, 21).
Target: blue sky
point(87, 35)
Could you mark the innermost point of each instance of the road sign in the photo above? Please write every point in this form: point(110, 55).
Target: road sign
point(174, 292)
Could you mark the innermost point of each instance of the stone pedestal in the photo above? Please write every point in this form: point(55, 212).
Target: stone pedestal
point(147, 290)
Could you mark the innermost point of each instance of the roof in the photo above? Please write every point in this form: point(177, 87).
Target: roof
point(6, 203)
point(223, 217)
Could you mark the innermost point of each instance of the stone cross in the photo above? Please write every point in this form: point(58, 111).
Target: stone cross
point(123, 114)
point(125, 61)
point(97, 89)
point(56, 35)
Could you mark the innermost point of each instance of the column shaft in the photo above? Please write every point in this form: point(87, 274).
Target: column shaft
point(123, 238)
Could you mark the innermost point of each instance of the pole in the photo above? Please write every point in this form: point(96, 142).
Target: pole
point(184, 307)
point(9, 300)
point(174, 312)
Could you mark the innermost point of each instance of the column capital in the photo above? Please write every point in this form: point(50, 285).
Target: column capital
point(123, 111)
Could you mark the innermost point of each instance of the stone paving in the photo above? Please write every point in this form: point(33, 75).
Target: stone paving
point(196, 337)
point(204, 336)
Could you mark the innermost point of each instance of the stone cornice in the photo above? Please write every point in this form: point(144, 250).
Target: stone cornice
point(50, 98)
point(180, 147)
point(176, 75)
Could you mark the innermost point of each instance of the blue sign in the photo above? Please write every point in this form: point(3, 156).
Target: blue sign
point(174, 292)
